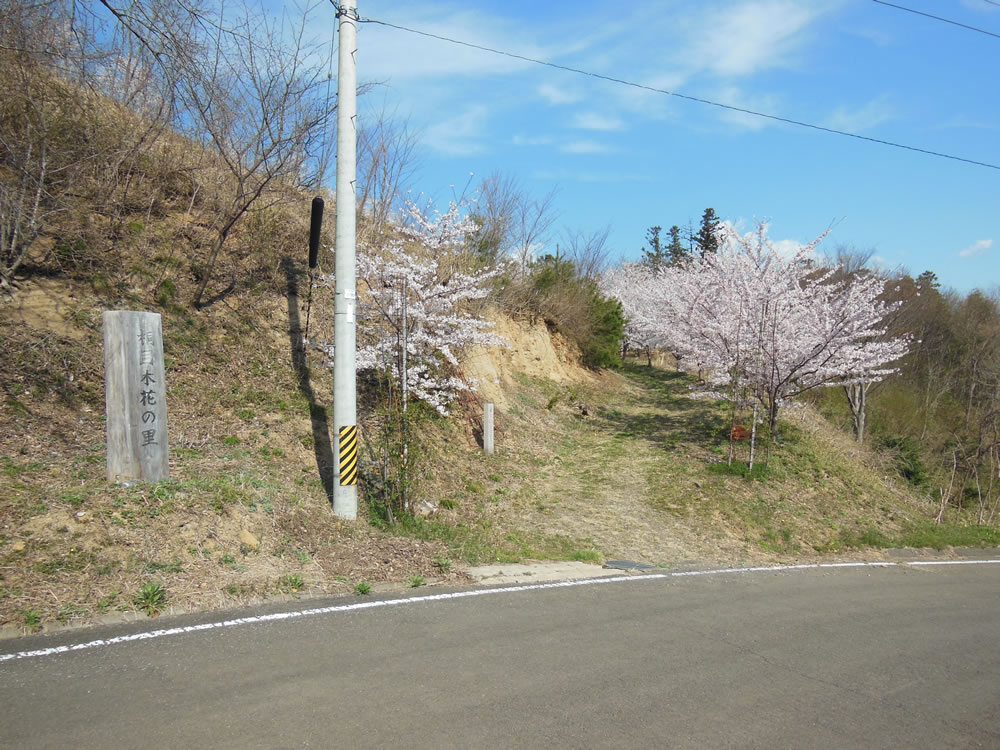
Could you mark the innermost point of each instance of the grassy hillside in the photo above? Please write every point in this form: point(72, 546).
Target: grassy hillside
point(589, 465)
point(246, 514)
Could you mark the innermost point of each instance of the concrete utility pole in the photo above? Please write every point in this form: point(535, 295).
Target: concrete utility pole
point(345, 397)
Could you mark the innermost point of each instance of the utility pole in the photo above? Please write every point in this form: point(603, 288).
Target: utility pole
point(345, 391)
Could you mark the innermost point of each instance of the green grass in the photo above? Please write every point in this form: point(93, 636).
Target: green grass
point(919, 535)
point(362, 589)
point(32, 619)
point(759, 472)
point(158, 567)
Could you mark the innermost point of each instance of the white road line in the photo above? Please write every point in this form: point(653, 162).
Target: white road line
point(296, 614)
point(953, 562)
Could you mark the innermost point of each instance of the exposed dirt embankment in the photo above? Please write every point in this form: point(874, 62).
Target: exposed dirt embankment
point(532, 351)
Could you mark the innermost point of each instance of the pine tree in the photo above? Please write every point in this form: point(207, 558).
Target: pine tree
point(655, 255)
point(707, 240)
point(675, 250)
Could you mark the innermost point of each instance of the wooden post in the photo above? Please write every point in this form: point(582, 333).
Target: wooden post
point(488, 429)
point(135, 397)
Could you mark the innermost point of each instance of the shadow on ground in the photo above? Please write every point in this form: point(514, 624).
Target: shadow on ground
point(671, 416)
point(317, 412)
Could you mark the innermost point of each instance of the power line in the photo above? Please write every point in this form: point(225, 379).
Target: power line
point(938, 18)
point(623, 82)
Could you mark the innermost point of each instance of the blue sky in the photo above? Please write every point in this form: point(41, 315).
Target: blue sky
point(629, 159)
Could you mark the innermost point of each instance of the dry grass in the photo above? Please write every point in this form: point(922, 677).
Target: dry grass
point(639, 478)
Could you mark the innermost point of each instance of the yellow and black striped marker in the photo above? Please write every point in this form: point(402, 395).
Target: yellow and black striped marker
point(349, 455)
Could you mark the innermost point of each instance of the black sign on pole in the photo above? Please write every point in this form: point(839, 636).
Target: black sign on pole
point(315, 225)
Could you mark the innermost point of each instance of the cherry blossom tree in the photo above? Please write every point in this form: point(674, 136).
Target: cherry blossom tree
point(755, 322)
point(414, 316)
point(415, 319)
point(641, 330)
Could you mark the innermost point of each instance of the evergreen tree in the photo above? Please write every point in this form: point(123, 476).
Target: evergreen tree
point(655, 255)
point(675, 250)
point(928, 280)
point(706, 238)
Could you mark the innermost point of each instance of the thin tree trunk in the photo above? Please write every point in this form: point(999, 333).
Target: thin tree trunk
point(946, 496)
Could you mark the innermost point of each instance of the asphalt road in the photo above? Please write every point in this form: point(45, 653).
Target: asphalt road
point(897, 657)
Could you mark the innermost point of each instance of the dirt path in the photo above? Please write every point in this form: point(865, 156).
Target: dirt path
point(608, 477)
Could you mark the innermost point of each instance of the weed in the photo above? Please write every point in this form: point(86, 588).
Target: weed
point(69, 612)
point(75, 499)
point(151, 598)
point(166, 293)
point(227, 559)
point(363, 589)
point(448, 504)
point(247, 415)
point(442, 563)
point(108, 568)
point(302, 556)
point(106, 602)
point(291, 583)
point(415, 581)
point(32, 619)
point(231, 440)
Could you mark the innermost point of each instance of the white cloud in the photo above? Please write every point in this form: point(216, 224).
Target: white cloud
point(595, 121)
point(386, 54)
point(734, 97)
point(584, 147)
point(754, 36)
point(976, 248)
point(786, 248)
point(983, 7)
point(604, 178)
point(531, 140)
point(460, 135)
point(866, 117)
point(557, 95)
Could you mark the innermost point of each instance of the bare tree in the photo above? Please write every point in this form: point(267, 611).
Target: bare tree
point(250, 91)
point(386, 163)
point(45, 117)
point(509, 222)
point(589, 252)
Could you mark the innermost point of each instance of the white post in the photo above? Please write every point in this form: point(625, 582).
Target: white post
point(488, 429)
point(345, 403)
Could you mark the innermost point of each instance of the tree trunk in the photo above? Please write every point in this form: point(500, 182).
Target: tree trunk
point(857, 400)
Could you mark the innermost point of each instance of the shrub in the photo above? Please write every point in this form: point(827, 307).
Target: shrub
point(571, 303)
point(906, 458)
